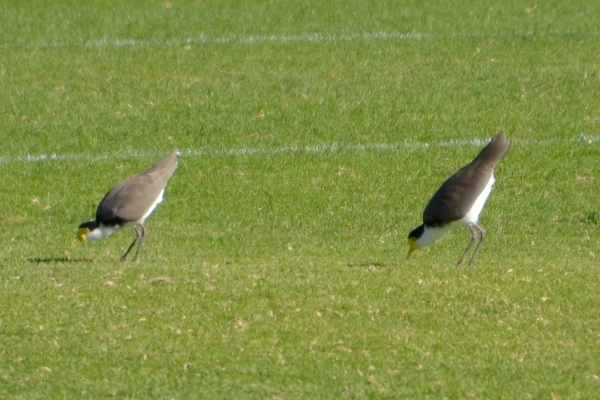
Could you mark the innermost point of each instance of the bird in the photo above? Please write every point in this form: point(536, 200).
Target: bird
point(460, 200)
point(129, 203)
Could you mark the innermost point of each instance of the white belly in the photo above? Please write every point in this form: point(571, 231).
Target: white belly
point(158, 200)
point(473, 214)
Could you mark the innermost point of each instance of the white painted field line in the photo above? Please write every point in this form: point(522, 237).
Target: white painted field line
point(334, 147)
point(303, 37)
point(206, 39)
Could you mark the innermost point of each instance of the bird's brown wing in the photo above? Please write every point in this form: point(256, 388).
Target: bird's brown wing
point(456, 196)
point(131, 199)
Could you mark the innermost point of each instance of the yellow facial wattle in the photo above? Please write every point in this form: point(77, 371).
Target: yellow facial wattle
point(81, 235)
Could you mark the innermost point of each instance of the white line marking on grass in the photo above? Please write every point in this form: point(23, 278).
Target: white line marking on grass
point(305, 37)
point(206, 39)
point(309, 149)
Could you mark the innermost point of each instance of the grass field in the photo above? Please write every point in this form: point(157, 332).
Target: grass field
point(313, 134)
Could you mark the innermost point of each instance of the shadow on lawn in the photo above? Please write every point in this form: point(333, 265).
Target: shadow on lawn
point(367, 264)
point(47, 260)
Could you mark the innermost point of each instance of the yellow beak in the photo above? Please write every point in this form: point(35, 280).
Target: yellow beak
point(412, 246)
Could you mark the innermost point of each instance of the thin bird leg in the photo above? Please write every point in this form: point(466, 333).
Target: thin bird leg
point(143, 233)
point(483, 235)
point(138, 234)
point(473, 239)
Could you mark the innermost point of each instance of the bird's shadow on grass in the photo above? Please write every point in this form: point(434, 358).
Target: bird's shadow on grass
point(48, 260)
point(366, 264)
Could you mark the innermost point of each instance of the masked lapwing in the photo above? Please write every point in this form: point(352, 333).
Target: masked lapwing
point(129, 204)
point(459, 201)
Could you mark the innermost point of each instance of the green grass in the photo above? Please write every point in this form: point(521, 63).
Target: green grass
point(276, 269)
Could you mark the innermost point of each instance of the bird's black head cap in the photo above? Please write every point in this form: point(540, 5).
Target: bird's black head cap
point(417, 232)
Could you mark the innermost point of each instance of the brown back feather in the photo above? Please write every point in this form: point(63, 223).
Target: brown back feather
point(131, 199)
point(454, 198)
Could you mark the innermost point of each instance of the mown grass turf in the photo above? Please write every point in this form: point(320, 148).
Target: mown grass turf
point(313, 135)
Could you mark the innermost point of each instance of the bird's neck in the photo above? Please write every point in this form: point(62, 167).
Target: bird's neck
point(431, 234)
point(103, 231)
